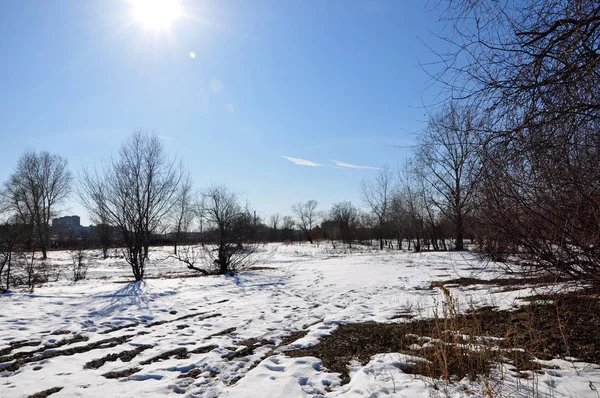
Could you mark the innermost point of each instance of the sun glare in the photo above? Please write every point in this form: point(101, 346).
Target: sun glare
point(156, 14)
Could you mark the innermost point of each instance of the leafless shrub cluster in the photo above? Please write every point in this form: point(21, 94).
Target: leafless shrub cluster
point(533, 69)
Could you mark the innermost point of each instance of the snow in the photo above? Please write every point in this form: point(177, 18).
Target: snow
point(305, 288)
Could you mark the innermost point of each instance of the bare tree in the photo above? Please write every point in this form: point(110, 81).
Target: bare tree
point(449, 161)
point(307, 217)
point(274, 222)
point(40, 182)
point(533, 66)
point(345, 216)
point(77, 253)
point(134, 192)
point(184, 211)
point(231, 227)
point(398, 218)
point(104, 233)
point(411, 195)
point(287, 227)
point(377, 197)
point(12, 236)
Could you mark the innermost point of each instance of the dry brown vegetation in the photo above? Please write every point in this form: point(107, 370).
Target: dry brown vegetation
point(452, 346)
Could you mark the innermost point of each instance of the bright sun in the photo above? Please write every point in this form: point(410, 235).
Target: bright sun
point(156, 14)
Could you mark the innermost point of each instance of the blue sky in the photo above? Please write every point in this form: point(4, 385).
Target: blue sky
point(272, 83)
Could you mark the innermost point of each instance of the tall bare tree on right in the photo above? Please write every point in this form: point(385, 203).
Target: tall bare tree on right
point(534, 67)
point(448, 160)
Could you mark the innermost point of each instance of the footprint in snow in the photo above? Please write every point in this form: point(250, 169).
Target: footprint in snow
point(144, 377)
point(275, 360)
point(303, 381)
point(275, 368)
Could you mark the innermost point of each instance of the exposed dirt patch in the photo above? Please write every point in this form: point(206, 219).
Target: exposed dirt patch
point(18, 344)
point(204, 349)
point(248, 348)
point(46, 393)
point(293, 337)
point(551, 326)
point(129, 325)
point(59, 332)
point(222, 333)
point(564, 326)
point(403, 315)
point(518, 280)
point(26, 354)
point(178, 353)
point(124, 356)
point(121, 373)
point(356, 342)
point(194, 373)
point(202, 316)
point(36, 356)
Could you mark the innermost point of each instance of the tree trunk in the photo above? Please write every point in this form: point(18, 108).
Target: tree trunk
point(8, 271)
point(459, 233)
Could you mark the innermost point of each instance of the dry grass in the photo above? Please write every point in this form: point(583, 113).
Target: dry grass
point(454, 345)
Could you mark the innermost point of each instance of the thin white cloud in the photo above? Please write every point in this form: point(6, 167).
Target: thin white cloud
point(352, 166)
point(229, 107)
point(302, 162)
point(215, 85)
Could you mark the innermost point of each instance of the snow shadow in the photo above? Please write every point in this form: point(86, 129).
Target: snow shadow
point(134, 296)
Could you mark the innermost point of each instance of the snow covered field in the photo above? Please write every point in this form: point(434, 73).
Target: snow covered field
point(227, 336)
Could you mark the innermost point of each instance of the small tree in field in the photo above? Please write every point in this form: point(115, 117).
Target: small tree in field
point(77, 253)
point(105, 236)
point(12, 235)
point(377, 196)
point(40, 182)
point(134, 192)
point(287, 228)
point(274, 224)
point(231, 227)
point(307, 217)
point(183, 212)
point(345, 216)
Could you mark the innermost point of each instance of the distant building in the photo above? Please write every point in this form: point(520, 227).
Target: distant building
point(65, 228)
point(70, 222)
